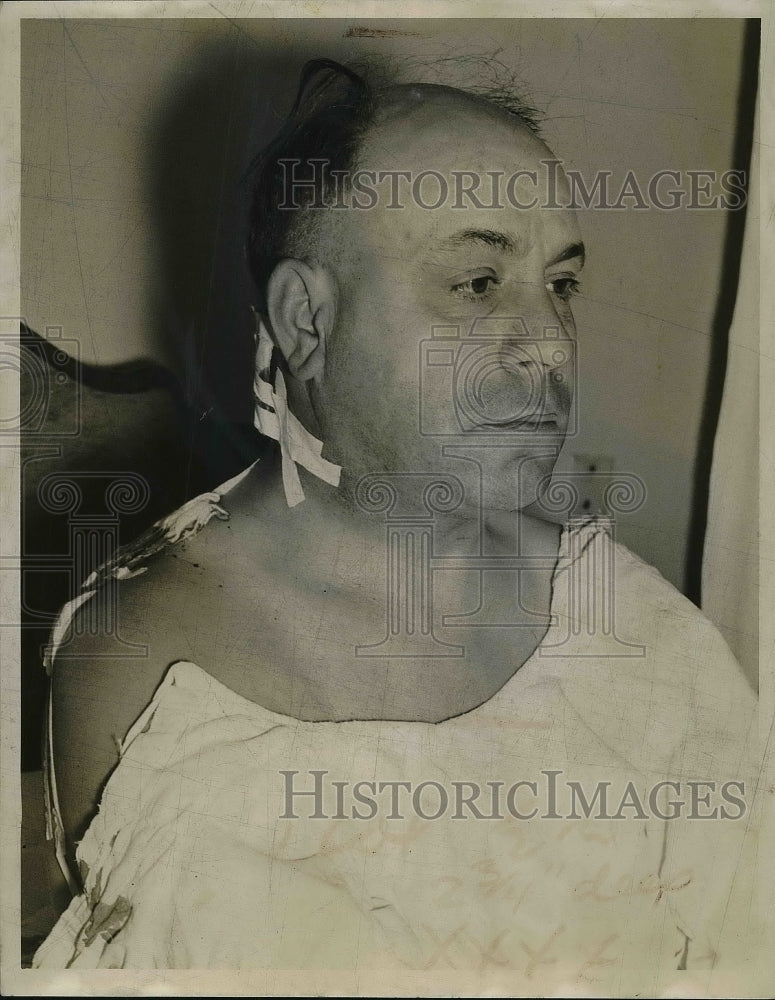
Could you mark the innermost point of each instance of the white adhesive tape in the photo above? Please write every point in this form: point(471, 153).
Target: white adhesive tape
point(275, 420)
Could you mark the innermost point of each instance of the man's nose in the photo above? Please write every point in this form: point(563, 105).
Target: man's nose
point(539, 343)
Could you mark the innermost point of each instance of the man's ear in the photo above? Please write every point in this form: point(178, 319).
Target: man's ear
point(301, 304)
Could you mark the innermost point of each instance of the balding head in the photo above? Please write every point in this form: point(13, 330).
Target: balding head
point(336, 110)
point(421, 100)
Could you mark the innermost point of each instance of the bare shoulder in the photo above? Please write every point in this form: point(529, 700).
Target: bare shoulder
point(117, 649)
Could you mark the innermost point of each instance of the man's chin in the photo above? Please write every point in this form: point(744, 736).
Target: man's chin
point(515, 500)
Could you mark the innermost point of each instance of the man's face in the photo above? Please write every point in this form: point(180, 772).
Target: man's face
point(497, 277)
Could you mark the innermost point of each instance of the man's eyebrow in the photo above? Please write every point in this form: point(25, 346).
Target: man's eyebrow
point(488, 237)
point(571, 251)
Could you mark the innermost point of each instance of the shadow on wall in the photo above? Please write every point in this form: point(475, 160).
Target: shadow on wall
point(232, 99)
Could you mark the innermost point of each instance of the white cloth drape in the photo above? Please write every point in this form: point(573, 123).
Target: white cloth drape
point(730, 570)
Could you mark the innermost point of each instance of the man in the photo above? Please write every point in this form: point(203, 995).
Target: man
point(549, 689)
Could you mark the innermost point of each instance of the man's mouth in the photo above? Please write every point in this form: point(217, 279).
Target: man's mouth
point(547, 422)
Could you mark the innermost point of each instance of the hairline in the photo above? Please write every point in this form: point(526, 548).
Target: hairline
point(308, 221)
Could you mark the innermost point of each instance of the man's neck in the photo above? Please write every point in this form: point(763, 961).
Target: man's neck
point(362, 507)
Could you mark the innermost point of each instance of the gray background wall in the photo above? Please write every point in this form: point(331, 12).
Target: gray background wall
point(135, 134)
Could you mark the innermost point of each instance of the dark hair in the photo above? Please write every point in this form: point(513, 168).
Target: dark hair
point(335, 106)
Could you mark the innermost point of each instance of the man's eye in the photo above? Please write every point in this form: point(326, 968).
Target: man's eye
point(475, 288)
point(564, 288)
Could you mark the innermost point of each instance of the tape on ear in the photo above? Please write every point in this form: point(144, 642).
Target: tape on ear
point(273, 419)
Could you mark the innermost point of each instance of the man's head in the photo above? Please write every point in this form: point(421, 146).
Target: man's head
point(359, 284)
